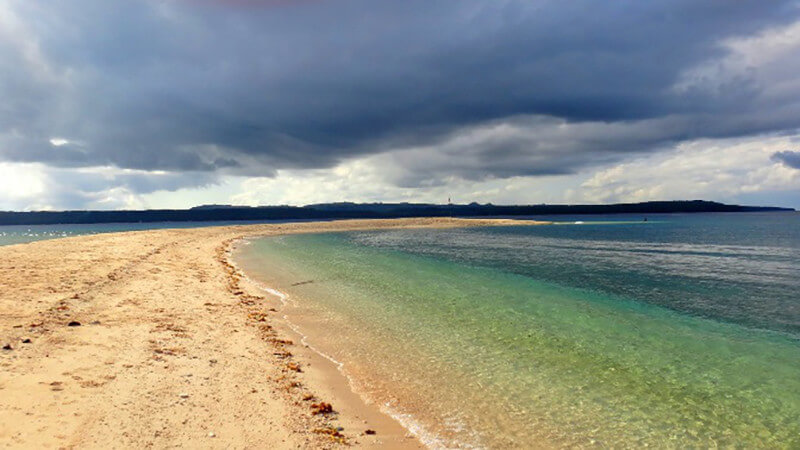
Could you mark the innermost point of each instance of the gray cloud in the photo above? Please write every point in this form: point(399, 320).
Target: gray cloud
point(788, 158)
point(469, 88)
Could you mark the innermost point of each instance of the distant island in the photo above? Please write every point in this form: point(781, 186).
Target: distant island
point(347, 210)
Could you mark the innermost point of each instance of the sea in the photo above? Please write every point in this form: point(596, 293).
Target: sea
point(20, 234)
point(667, 331)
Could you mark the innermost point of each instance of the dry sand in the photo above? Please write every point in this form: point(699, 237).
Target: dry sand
point(173, 348)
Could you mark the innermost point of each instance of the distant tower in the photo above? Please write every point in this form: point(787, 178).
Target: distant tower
point(448, 201)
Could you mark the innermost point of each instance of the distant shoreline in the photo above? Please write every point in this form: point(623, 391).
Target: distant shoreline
point(337, 211)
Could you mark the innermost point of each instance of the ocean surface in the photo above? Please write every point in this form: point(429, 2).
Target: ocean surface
point(19, 234)
point(679, 332)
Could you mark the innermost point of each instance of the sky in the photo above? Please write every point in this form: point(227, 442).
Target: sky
point(177, 103)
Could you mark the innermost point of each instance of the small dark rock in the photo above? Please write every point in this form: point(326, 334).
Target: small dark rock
point(8, 347)
point(74, 323)
point(321, 408)
point(26, 341)
point(370, 432)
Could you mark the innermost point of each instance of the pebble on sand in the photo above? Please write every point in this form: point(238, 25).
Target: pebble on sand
point(74, 323)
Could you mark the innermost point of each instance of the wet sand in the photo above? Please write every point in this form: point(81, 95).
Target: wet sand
point(154, 339)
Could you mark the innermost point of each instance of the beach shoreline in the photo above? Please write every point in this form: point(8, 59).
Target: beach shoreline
point(153, 338)
point(328, 374)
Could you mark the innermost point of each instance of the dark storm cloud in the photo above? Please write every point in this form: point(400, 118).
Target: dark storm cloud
point(788, 158)
point(250, 87)
point(139, 182)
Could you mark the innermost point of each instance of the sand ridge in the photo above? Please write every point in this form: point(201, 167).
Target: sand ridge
point(169, 346)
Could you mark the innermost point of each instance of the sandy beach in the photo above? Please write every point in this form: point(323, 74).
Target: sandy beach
point(154, 339)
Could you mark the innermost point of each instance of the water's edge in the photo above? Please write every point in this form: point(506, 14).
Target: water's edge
point(407, 421)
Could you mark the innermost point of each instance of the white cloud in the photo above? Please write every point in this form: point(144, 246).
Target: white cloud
point(116, 198)
point(707, 169)
point(23, 185)
point(58, 142)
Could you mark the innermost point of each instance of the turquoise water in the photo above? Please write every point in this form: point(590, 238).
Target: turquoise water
point(680, 332)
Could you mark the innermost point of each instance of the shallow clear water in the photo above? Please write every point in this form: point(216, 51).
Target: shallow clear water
point(679, 332)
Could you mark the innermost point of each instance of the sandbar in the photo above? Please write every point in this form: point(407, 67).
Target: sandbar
point(155, 339)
